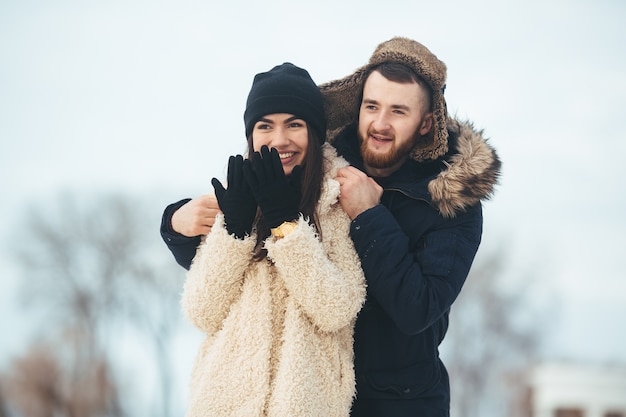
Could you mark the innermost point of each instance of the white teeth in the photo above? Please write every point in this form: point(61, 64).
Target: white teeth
point(286, 155)
point(380, 138)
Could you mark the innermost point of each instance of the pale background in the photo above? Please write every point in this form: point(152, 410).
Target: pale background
point(149, 96)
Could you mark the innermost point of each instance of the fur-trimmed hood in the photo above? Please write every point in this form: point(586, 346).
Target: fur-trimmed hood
point(464, 176)
point(341, 97)
point(470, 166)
point(472, 170)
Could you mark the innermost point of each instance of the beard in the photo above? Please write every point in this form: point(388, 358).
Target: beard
point(384, 160)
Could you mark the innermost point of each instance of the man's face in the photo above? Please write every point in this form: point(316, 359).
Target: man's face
point(391, 118)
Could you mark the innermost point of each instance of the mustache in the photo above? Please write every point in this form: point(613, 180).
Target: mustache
point(386, 133)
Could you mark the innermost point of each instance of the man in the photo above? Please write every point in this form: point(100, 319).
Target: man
point(414, 194)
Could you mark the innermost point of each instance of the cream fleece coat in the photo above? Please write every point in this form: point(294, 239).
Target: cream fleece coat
point(279, 331)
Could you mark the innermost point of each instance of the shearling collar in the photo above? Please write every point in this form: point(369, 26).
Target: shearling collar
point(330, 186)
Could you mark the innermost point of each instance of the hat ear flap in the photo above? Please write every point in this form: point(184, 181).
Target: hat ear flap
point(435, 143)
point(342, 101)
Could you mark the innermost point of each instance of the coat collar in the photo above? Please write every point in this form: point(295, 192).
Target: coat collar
point(330, 186)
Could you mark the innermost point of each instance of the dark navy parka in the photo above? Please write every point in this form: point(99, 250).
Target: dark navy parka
point(415, 263)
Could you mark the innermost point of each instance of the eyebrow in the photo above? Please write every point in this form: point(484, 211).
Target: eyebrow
point(393, 106)
point(290, 119)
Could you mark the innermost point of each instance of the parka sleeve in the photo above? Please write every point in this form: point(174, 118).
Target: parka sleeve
point(182, 247)
point(324, 277)
point(416, 286)
point(215, 278)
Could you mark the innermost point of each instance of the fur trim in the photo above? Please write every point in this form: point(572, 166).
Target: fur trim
point(473, 167)
point(341, 97)
point(330, 186)
point(472, 173)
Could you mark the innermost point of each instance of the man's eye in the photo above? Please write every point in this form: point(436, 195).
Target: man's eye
point(262, 126)
point(295, 124)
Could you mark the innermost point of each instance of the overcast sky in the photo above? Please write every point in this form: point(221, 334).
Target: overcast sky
point(149, 95)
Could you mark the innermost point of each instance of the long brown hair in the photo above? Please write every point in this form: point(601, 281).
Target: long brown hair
point(312, 177)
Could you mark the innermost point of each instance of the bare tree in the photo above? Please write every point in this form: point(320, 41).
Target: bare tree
point(39, 386)
point(94, 264)
point(495, 333)
point(4, 412)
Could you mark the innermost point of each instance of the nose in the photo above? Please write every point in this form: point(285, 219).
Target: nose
point(280, 137)
point(381, 122)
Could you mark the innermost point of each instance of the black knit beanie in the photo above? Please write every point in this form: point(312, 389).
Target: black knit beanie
point(286, 88)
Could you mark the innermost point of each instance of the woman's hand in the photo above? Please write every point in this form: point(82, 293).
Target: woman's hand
point(237, 202)
point(278, 196)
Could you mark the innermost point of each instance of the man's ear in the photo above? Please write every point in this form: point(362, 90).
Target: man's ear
point(427, 124)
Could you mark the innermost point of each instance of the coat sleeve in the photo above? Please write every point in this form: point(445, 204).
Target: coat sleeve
point(324, 277)
point(215, 278)
point(415, 286)
point(182, 247)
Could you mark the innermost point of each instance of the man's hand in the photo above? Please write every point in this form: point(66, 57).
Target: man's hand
point(196, 217)
point(358, 191)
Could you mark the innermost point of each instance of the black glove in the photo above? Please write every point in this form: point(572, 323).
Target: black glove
point(278, 196)
point(237, 202)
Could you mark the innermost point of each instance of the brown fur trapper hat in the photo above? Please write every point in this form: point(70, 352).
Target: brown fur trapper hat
point(341, 97)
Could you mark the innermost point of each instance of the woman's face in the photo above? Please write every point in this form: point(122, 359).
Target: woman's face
point(285, 132)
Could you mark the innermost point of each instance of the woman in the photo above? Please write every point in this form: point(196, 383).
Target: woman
point(277, 285)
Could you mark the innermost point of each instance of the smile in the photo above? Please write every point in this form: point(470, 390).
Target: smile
point(380, 138)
